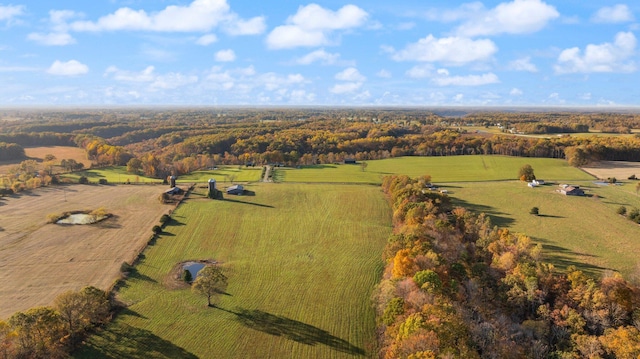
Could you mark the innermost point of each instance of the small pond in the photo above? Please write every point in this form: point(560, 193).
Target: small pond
point(81, 218)
point(193, 267)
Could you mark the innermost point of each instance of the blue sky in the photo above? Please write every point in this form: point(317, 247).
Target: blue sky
point(349, 53)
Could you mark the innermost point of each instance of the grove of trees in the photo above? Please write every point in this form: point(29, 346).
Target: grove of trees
point(455, 286)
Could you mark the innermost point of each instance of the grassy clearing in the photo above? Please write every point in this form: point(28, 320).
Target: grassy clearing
point(301, 260)
point(441, 169)
point(225, 174)
point(114, 174)
point(581, 231)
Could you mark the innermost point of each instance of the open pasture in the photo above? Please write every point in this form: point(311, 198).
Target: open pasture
point(113, 174)
point(581, 231)
point(441, 169)
point(302, 261)
point(38, 261)
point(224, 174)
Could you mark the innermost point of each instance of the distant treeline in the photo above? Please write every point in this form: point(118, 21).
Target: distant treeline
point(165, 142)
point(454, 286)
point(11, 152)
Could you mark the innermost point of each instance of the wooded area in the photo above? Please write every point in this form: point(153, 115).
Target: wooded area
point(454, 285)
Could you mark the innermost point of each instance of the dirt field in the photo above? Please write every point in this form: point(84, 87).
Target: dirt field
point(61, 152)
point(618, 169)
point(38, 261)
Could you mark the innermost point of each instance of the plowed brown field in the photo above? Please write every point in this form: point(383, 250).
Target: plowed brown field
point(38, 260)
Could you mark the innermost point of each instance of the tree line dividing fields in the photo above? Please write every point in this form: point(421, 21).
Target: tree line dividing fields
point(301, 262)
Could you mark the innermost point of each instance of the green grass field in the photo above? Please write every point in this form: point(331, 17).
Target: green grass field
point(302, 261)
point(581, 231)
point(441, 169)
point(114, 174)
point(224, 174)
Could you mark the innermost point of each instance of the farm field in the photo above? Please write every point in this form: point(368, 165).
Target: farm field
point(621, 170)
point(581, 231)
point(113, 174)
point(224, 174)
point(441, 169)
point(38, 261)
point(38, 153)
point(302, 261)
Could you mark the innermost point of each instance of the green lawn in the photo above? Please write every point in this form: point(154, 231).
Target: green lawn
point(302, 261)
point(225, 174)
point(582, 231)
point(441, 169)
point(114, 174)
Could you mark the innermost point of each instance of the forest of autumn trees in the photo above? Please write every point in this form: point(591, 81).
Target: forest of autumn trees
point(180, 141)
point(54, 332)
point(454, 286)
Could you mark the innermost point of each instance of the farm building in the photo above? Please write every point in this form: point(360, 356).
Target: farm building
point(235, 189)
point(174, 190)
point(569, 190)
point(349, 161)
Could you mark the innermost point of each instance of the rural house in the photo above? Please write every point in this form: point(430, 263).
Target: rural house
point(569, 190)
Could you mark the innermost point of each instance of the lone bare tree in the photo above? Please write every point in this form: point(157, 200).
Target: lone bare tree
point(210, 281)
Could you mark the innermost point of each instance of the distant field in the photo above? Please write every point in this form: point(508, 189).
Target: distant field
point(225, 174)
point(38, 261)
point(114, 174)
point(38, 153)
point(441, 169)
point(621, 170)
point(302, 261)
point(581, 231)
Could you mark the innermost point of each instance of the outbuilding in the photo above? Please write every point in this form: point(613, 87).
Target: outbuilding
point(236, 189)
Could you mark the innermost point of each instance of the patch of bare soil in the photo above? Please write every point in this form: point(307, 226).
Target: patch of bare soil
point(38, 261)
point(619, 169)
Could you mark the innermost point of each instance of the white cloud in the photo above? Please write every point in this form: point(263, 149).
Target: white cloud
point(384, 74)
point(516, 17)
point(313, 25)
point(516, 92)
point(321, 56)
point(225, 56)
point(69, 68)
point(52, 39)
point(254, 26)
point(350, 74)
point(206, 40)
point(613, 14)
point(199, 16)
point(347, 87)
point(450, 50)
point(172, 80)
point(9, 12)
point(145, 75)
point(471, 80)
point(523, 64)
point(458, 97)
point(607, 57)
point(420, 71)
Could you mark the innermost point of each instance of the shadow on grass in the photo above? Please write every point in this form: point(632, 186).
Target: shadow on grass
point(292, 329)
point(549, 216)
point(562, 258)
point(497, 218)
point(124, 341)
point(249, 203)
